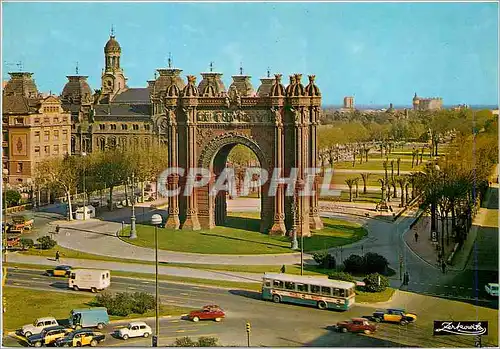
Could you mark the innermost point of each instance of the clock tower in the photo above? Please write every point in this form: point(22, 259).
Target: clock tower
point(112, 80)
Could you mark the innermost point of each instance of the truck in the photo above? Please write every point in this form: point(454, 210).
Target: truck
point(89, 279)
point(20, 224)
point(89, 317)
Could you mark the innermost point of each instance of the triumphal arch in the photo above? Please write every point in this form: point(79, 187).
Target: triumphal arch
point(204, 122)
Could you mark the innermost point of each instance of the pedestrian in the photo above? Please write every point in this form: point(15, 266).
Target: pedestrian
point(416, 236)
point(443, 267)
point(283, 269)
point(57, 256)
point(57, 229)
point(406, 278)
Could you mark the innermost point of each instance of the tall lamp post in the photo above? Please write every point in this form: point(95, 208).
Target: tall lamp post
point(5, 173)
point(156, 220)
point(295, 244)
point(133, 232)
point(84, 154)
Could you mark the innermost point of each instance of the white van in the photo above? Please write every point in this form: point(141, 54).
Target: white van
point(89, 279)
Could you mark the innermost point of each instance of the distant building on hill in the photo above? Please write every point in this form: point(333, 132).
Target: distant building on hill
point(348, 102)
point(427, 103)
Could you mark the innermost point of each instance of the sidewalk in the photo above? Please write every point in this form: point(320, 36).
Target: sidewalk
point(426, 251)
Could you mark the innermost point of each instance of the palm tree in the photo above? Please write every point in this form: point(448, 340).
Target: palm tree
point(399, 162)
point(392, 169)
point(412, 157)
point(383, 185)
point(356, 182)
point(366, 150)
point(354, 157)
point(395, 192)
point(350, 183)
point(364, 177)
point(407, 186)
point(402, 180)
point(384, 164)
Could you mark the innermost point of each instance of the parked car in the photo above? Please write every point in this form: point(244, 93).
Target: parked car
point(394, 315)
point(492, 289)
point(208, 312)
point(135, 329)
point(38, 326)
point(60, 270)
point(356, 325)
point(48, 336)
point(89, 317)
point(81, 338)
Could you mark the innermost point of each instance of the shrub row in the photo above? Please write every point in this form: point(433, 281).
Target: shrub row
point(125, 303)
point(355, 264)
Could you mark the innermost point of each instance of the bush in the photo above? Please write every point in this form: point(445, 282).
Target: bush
point(354, 264)
point(46, 242)
point(375, 263)
point(125, 303)
point(325, 260)
point(143, 302)
point(341, 276)
point(371, 283)
point(201, 342)
point(26, 243)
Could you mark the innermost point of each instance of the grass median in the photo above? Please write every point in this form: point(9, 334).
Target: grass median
point(241, 236)
point(23, 306)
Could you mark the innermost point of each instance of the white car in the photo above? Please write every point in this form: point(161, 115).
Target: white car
point(135, 329)
point(491, 289)
point(38, 326)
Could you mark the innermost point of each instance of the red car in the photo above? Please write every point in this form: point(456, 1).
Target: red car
point(208, 312)
point(356, 325)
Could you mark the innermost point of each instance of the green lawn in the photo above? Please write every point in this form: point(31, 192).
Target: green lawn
point(374, 297)
point(377, 165)
point(372, 197)
point(23, 306)
point(241, 236)
point(339, 178)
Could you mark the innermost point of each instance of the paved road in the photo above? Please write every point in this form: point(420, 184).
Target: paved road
point(271, 323)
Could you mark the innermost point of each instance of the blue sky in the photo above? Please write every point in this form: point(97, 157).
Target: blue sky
point(379, 52)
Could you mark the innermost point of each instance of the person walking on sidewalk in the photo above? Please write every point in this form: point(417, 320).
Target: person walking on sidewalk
point(416, 236)
point(57, 256)
point(283, 269)
point(443, 266)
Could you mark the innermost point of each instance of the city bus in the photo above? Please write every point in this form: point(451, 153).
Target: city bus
point(308, 290)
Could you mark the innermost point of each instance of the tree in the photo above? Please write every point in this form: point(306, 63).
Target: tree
point(342, 276)
point(383, 184)
point(354, 264)
point(12, 197)
point(356, 181)
point(62, 173)
point(376, 282)
point(26, 243)
point(350, 183)
point(46, 242)
point(325, 260)
point(399, 162)
point(364, 177)
point(402, 180)
point(392, 169)
point(375, 263)
point(385, 164)
point(112, 169)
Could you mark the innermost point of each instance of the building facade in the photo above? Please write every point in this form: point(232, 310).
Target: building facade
point(349, 102)
point(34, 128)
point(427, 103)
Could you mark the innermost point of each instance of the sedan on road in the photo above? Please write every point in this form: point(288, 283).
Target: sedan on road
point(356, 325)
point(81, 338)
point(48, 336)
point(135, 329)
point(208, 312)
point(60, 270)
point(394, 315)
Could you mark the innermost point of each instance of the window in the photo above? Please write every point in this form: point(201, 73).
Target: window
point(65, 119)
point(124, 126)
point(142, 327)
point(56, 120)
point(65, 148)
point(73, 126)
point(37, 136)
point(46, 136)
point(326, 290)
point(335, 292)
point(65, 134)
point(37, 151)
point(48, 323)
point(147, 127)
point(102, 127)
point(56, 149)
point(19, 121)
point(267, 283)
point(289, 285)
point(56, 135)
point(46, 120)
point(73, 276)
point(19, 167)
point(47, 149)
point(103, 276)
point(278, 284)
point(315, 289)
point(37, 120)
point(301, 288)
point(113, 126)
point(342, 293)
point(136, 127)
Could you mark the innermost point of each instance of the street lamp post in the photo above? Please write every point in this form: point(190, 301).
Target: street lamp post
point(133, 232)
point(84, 189)
point(301, 254)
point(156, 220)
point(4, 228)
point(295, 244)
